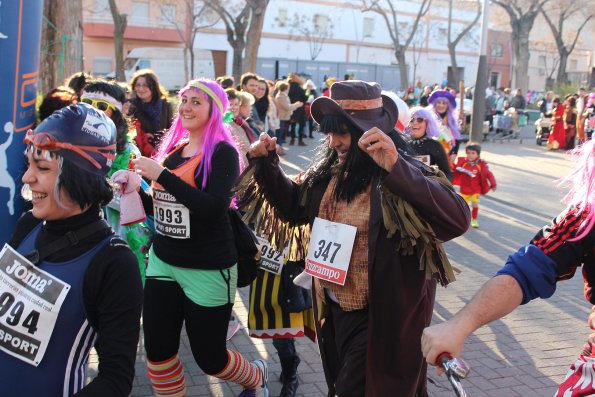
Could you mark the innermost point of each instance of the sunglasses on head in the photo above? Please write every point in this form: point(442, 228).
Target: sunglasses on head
point(418, 119)
point(45, 141)
point(99, 104)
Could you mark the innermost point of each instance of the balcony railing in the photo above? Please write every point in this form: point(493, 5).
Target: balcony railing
point(132, 20)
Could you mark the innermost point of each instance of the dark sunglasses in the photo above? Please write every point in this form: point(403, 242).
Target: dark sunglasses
point(418, 119)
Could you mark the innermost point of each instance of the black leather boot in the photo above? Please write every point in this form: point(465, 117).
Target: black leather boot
point(289, 376)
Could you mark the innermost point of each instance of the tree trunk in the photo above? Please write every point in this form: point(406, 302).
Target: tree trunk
point(120, 22)
point(65, 30)
point(253, 37)
point(561, 76)
point(186, 71)
point(236, 70)
point(192, 75)
point(48, 64)
point(400, 55)
point(453, 63)
point(520, 41)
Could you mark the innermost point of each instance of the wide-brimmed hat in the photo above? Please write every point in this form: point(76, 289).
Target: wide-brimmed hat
point(442, 94)
point(361, 102)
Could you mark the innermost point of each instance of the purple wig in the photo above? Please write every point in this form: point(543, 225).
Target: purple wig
point(215, 130)
point(582, 186)
point(451, 116)
point(432, 129)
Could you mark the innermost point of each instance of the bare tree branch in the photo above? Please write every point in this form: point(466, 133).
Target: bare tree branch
point(522, 15)
point(389, 13)
point(564, 13)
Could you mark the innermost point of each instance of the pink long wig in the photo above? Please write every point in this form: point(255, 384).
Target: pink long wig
point(215, 130)
point(582, 185)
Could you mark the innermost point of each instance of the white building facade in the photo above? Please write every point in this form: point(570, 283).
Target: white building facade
point(358, 44)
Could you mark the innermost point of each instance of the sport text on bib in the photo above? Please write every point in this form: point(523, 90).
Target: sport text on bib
point(271, 261)
point(30, 301)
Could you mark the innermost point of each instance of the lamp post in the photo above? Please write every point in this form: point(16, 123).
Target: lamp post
point(479, 95)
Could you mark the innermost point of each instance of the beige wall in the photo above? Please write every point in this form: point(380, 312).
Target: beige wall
point(146, 28)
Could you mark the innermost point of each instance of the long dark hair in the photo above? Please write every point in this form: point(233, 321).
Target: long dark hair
point(115, 91)
point(262, 104)
point(157, 91)
point(355, 173)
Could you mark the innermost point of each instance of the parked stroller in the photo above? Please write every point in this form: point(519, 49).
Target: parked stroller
point(543, 126)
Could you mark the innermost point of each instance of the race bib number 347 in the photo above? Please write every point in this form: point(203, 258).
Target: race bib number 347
point(30, 300)
point(329, 251)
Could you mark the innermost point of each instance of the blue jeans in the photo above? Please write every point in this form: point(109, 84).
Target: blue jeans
point(280, 133)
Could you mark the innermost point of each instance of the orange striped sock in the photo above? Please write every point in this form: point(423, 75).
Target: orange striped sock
point(167, 377)
point(241, 371)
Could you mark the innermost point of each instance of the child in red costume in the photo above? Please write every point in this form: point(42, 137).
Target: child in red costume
point(474, 177)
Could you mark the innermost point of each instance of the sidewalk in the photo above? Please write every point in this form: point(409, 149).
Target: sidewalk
point(526, 354)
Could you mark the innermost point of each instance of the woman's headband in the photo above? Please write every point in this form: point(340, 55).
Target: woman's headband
point(103, 97)
point(208, 91)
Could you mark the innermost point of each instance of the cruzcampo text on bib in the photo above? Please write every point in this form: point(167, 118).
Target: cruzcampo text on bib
point(330, 249)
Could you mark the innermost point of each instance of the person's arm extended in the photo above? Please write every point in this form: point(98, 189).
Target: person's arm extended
point(281, 192)
point(210, 204)
point(113, 297)
point(483, 308)
point(528, 274)
point(278, 189)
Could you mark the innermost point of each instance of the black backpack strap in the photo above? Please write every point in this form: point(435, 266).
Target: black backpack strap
point(70, 239)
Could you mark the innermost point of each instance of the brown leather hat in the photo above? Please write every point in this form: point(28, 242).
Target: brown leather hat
point(359, 101)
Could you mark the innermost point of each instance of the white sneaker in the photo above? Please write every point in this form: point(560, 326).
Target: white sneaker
point(3, 36)
point(233, 327)
point(263, 388)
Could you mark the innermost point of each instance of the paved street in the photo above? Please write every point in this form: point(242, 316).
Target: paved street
point(525, 354)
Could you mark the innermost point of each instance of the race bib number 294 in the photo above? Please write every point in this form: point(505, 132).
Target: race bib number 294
point(30, 300)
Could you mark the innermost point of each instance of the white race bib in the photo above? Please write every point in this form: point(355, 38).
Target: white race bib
point(271, 261)
point(329, 251)
point(172, 219)
point(30, 300)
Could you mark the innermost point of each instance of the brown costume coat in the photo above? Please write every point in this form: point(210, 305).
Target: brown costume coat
point(401, 298)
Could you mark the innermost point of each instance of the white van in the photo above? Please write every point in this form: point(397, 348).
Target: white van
point(168, 64)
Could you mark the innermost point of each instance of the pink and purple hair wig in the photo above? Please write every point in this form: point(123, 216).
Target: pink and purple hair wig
point(215, 130)
point(582, 186)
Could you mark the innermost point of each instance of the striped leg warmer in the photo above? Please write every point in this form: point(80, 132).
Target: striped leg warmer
point(241, 371)
point(167, 377)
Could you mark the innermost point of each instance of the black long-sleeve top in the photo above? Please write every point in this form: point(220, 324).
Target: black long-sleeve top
point(112, 294)
point(211, 244)
point(434, 149)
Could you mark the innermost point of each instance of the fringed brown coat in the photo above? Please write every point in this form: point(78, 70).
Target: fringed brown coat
point(404, 262)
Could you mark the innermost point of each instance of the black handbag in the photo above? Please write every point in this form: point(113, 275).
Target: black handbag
point(248, 253)
point(293, 299)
